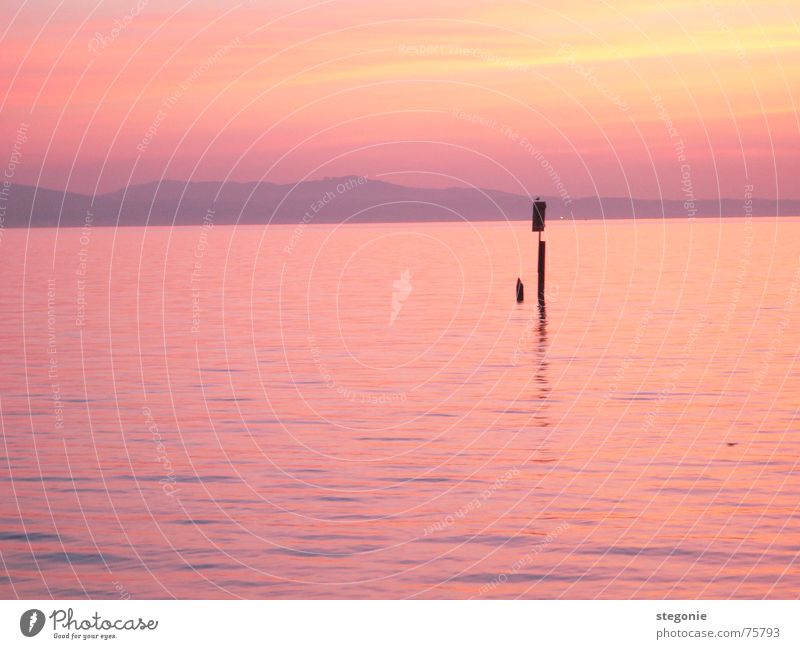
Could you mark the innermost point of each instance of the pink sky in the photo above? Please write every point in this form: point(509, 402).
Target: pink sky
point(498, 94)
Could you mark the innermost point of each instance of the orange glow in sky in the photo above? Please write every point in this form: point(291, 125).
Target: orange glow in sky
point(624, 98)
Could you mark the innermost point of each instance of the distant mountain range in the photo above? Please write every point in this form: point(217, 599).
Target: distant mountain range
point(333, 200)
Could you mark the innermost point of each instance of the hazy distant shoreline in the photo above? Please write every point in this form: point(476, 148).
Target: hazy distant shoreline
point(337, 200)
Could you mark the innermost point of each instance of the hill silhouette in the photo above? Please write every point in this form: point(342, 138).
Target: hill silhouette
point(333, 200)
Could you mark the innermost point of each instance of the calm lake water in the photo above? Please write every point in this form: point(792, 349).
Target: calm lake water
point(364, 411)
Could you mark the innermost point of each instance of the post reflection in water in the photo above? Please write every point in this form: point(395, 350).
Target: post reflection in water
point(541, 362)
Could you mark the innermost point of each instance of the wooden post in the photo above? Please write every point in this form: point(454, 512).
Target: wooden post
point(539, 208)
point(537, 225)
point(541, 270)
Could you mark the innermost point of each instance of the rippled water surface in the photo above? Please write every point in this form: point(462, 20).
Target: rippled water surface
point(364, 411)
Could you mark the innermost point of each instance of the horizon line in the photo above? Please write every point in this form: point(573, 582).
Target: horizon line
point(349, 176)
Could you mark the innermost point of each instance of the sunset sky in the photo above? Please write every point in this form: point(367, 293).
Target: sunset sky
point(623, 98)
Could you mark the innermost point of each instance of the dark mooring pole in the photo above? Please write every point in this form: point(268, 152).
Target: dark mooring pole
point(541, 270)
point(539, 208)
